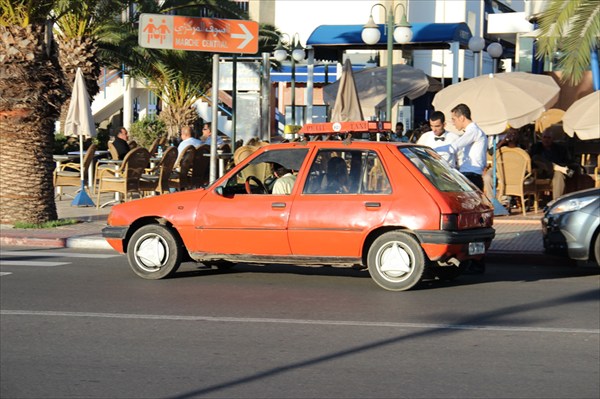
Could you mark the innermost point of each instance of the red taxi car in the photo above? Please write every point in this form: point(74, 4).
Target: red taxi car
point(394, 208)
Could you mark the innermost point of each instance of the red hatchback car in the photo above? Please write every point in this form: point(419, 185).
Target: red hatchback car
point(397, 209)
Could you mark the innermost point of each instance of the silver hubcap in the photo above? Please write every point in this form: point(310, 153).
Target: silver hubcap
point(395, 261)
point(151, 252)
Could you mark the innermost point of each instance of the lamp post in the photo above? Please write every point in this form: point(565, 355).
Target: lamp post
point(495, 51)
point(402, 33)
point(298, 55)
point(476, 45)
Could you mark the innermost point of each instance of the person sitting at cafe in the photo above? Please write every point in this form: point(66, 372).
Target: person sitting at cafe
point(187, 139)
point(285, 180)
point(206, 137)
point(120, 143)
point(551, 160)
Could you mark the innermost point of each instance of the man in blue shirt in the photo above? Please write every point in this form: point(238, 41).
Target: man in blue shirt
point(207, 135)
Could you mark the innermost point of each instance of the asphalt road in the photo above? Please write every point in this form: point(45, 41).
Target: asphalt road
point(78, 324)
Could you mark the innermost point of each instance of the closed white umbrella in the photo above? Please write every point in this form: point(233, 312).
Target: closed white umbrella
point(583, 117)
point(80, 122)
point(498, 100)
point(347, 104)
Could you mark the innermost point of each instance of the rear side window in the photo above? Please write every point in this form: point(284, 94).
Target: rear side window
point(439, 172)
point(347, 172)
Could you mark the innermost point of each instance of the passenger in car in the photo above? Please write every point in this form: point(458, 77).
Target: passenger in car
point(337, 176)
point(285, 180)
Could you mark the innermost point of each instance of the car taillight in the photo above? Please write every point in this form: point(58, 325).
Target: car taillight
point(449, 221)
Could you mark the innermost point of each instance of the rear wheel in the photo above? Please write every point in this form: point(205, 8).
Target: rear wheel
point(154, 252)
point(396, 261)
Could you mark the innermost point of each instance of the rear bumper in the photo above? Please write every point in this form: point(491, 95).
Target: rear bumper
point(485, 234)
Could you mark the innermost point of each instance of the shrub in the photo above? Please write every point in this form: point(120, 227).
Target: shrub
point(146, 130)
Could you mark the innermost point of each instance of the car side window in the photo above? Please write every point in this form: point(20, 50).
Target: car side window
point(258, 177)
point(347, 172)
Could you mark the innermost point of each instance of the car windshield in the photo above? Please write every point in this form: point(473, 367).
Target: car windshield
point(439, 172)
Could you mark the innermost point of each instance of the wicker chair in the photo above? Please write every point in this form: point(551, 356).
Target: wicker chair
point(126, 179)
point(200, 168)
point(515, 177)
point(180, 176)
point(69, 173)
point(157, 179)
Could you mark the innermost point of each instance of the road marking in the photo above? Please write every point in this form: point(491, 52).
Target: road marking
point(31, 263)
point(57, 254)
point(4, 273)
point(300, 321)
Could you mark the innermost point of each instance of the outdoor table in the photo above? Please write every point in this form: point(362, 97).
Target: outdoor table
point(91, 176)
point(222, 156)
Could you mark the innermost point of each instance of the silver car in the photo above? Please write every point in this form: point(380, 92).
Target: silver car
point(571, 225)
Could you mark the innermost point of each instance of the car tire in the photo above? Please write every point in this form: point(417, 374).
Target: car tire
point(154, 252)
point(396, 261)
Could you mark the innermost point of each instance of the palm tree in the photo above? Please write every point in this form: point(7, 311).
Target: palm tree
point(32, 90)
point(571, 27)
point(77, 26)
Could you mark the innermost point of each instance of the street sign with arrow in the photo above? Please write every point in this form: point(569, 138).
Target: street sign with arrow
point(177, 32)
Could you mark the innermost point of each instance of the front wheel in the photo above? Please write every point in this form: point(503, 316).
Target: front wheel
point(396, 261)
point(154, 252)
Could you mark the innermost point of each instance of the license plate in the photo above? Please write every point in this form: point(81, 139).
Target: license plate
point(476, 248)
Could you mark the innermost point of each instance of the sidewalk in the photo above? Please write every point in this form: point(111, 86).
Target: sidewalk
point(517, 236)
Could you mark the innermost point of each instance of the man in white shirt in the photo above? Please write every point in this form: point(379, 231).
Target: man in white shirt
point(438, 138)
point(474, 144)
point(187, 139)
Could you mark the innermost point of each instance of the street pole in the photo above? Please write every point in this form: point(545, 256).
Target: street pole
point(293, 85)
point(390, 66)
point(310, 83)
point(215, 120)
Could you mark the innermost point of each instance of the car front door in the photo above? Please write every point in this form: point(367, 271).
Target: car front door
point(241, 217)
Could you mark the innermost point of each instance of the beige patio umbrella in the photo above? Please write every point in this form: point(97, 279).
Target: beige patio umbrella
point(583, 117)
point(498, 100)
point(80, 122)
point(371, 86)
point(347, 104)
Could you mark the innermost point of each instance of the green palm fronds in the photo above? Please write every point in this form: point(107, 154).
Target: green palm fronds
point(571, 27)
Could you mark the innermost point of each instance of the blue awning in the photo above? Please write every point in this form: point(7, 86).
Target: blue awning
point(329, 41)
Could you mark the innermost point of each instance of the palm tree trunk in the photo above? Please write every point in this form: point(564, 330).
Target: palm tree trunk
point(32, 91)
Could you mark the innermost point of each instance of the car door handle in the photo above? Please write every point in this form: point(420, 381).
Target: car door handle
point(278, 205)
point(372, 204)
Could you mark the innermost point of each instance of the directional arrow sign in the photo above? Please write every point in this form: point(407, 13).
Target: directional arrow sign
point(198, 34)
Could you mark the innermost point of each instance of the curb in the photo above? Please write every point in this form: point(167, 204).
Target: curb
point(89, 242)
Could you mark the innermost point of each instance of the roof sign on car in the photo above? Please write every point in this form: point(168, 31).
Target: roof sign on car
point(345, 127)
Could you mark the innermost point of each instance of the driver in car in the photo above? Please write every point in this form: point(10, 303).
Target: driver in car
point(285, 180)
